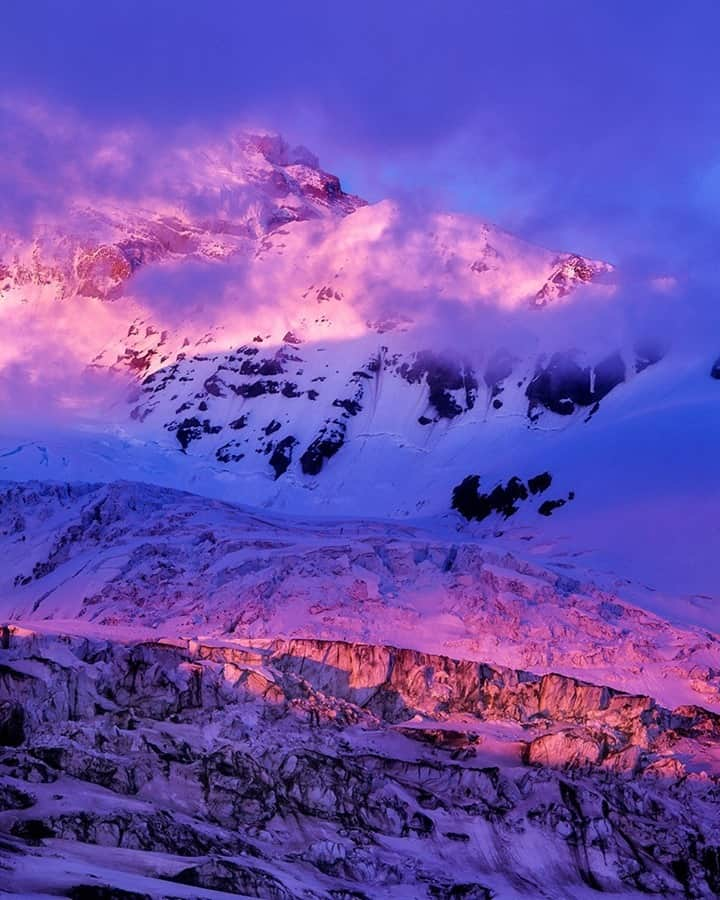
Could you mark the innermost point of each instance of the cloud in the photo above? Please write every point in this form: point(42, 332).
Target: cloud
point(610, 97)
point(56, 161)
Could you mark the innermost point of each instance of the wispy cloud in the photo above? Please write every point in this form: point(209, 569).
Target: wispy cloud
point(403, 259)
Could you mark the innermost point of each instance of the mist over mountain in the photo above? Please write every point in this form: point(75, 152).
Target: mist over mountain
point(238, 319)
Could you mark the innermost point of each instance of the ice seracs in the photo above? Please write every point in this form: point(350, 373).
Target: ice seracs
point(325, 769)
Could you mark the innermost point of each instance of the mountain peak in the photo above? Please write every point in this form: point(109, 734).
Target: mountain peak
point(276, 150)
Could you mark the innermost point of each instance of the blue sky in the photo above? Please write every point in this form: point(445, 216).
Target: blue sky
point(584, 125)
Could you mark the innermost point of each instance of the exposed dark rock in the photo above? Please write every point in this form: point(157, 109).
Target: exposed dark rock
point(14, 798)
point(256, 389)
point(229, 452)
point(710, 860)
point(351, 407)
point(502, 499)
point(446, 405)
point(290, 389)
point(104, 892)
point(443, 377)
point(32, 830)
point(609, 373)
point(648, 353)
point(193, 429)
point(715, 369)
point(461, 892)
point(324, 447)
point(499, 367)
point(271, 366)
point(272, 427)
point(420, 824)
point(226, 875)
point(568, 272)
point(327, 293)
point(563, 384)
point(539, 483)
point(282, 455)
point(548, 507)
point(559, 386)
point(12, 724)
point(214, 385)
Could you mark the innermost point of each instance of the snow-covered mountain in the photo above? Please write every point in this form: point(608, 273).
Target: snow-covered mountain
point(243, 327)
point(451, 541)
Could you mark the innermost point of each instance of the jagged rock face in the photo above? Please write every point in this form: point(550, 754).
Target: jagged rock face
point(258, 185)
point(571, 270)
point(309, 768)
